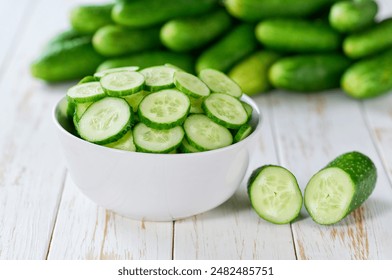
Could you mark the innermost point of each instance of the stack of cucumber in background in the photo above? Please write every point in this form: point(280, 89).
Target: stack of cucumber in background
point(296, 45)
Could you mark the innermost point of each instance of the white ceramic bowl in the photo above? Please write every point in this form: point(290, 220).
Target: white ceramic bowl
point(155, 187)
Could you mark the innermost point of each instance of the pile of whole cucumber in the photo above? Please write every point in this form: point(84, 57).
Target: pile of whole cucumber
point(297, 45)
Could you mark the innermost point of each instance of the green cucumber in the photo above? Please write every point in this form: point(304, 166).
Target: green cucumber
point(100, 74)
point(340, 188)
point(369, 77)
point(256, 10)
point(225, 110)
point(230, 49)
point(151, 58)
point(114, 40)
point(274, 194)
point(67, 61)
point(150, 140)
point(185, 147)
point(348, 16)
point(369, 41)
point(251, 73)
point(135, 99)
point(64, 36)
point(141, 13)
point(297, 35)
point(86, 92)
point(89, 18)
point(122, 83)
point(309, 73)
point(158, 77)
point(248, 109)
point(87, 79)
point(164, 109)
point(80, 108)
point(220, 82)
point(185, 34)
point(190, 85)
point(204, 134)
point(243, 132)
point(105, 121)
point(125, 143)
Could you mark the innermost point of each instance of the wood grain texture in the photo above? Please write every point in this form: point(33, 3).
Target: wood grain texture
point(85, 231)
point(13, 16)
point(233, 230)
point(311, 131)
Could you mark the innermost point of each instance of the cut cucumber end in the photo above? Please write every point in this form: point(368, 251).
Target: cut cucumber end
point(328, 195)
point(274, 194)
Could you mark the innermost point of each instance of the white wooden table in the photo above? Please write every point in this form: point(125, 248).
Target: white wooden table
point(44, 216)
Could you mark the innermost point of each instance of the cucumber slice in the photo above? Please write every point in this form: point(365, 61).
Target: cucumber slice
point(204, 134)
point(125, 143)
point(248, 109)
point(122, 83)
point(102, 73)
point(80, 108)
point(190, 85)
point(152, 140)
point(220, 82)
point(225, 110)
point(105, 121)
point(87, 92)
point(135, 99)
point(87, 79)
point(244, 131)
point(71, 107)
point(164, 109)
point(274, 194)
point(185, 147)
point(341, 187)
point(158, 77)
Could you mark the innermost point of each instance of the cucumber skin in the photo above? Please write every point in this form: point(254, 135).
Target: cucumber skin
point(352, 16)
point(187, 34)
point(256, 10)
point(89, 18)
point(369, 77)
point(67, 61)
point(297, 35)
point(308, 73)
point(363, 174)
point(114, 40)
point(251, 74)
point(63, 37)
point(253, 177)
point(142, 13)
point(151, 58)
point(229, 50)
point(370, 41)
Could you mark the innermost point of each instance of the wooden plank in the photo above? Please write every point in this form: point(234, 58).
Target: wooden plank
point(85, 231)
point(13, 14)
point(31, 168)
point(379, 117)
point(311, 131)
point(233, 230)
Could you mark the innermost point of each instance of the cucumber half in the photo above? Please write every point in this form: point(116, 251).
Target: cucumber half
point(274, 194)
point(341, 187)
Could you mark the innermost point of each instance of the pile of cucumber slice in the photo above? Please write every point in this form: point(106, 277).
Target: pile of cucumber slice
point(159, 109)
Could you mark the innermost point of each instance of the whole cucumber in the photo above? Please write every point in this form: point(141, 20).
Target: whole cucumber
point(251, 74)
point(229, 50)
point(340, 188)
point(348, 16)
point(64, 36)
point(256, 10)
point(185, 34)
point(308, 73)
point(151, 58)
point(141, 13)
point(370, 41)
point(115, 40)
point(68, 61)
point(89, 18)
point(369, 77)
point(296, 35)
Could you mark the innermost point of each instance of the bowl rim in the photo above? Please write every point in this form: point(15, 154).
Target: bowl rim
point(244, 97)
